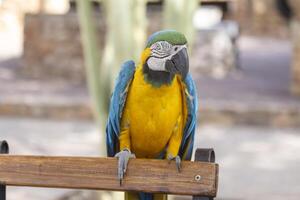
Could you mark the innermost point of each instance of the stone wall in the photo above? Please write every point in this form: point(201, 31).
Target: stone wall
point(52, 45)
point(295, 36)
point(259, 17)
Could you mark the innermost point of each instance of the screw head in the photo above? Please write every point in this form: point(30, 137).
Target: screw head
point(197, 177)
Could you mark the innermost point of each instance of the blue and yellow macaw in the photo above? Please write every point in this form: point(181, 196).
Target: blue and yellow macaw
point(153, 107)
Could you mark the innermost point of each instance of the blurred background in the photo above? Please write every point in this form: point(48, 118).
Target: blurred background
point(59, 59)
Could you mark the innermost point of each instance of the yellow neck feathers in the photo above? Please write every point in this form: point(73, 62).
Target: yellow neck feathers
point(145, 55)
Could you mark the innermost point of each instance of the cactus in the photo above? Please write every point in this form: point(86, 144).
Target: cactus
point(178, 15)
point(125, 36)
point(96, 77)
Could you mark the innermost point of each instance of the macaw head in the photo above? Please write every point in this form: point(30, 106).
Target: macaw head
point(165, 56)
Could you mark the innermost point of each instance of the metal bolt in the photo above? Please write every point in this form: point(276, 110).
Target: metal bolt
point(197, 177)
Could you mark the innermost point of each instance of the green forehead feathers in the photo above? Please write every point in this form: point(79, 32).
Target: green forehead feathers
point(171, 36)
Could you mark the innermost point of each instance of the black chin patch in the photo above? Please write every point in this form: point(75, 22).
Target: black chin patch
point(157, 78)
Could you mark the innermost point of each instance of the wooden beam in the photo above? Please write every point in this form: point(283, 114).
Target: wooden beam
point(156, 176)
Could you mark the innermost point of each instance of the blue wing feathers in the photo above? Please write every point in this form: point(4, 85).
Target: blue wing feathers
point(117, 102)
point(186, 147)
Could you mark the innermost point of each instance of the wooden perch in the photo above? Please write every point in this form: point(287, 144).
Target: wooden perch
point(156, 176)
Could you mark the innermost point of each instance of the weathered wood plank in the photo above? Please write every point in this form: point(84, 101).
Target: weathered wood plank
point(156, 176)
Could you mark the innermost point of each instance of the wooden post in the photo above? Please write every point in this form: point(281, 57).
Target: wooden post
point(3, 150)
point(206, 155)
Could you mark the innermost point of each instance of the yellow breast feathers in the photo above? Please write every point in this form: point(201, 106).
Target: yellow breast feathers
point(153, 117)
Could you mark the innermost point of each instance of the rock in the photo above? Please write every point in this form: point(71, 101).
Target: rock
point(215, 51)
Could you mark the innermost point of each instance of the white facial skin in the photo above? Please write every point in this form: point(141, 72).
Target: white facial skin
point(161, 52)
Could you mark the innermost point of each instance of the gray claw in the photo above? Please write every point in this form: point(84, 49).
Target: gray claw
point(123, 157)
point(177, 160)
point(178, 163)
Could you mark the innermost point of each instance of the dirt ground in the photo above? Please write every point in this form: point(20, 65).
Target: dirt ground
point(255, 163)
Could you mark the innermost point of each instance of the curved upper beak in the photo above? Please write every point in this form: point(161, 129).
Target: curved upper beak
point(179, 63)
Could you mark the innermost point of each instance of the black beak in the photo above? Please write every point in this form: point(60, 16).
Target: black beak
point(179, 63)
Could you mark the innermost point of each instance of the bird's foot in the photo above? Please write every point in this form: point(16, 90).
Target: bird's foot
point(177, 160)
point(123, 157)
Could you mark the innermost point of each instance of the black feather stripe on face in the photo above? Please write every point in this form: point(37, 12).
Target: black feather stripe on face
point(157, 78)
point(161, 49)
